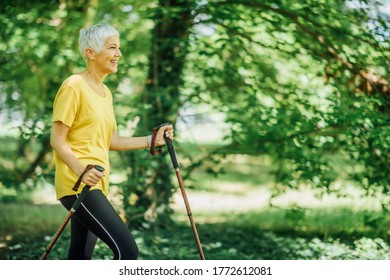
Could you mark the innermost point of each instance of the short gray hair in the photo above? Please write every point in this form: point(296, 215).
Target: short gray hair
point(95, 36)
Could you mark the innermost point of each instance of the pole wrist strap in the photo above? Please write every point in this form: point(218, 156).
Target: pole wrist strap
point(153, 150)
point(77, 185)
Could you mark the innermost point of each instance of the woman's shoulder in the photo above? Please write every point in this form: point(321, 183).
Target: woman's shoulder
point(72, 86)
point(73, 81)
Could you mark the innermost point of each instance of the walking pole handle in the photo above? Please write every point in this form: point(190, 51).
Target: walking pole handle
point(99, 168)
point(85, 190)
point(171, 150)
point(89, 167)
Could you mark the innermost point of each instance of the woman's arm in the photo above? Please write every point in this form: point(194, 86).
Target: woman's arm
point(119, 143)
point(59, 133)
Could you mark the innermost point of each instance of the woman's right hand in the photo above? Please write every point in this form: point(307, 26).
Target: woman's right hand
point(92, 177)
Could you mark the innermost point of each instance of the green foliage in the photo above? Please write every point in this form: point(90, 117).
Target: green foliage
point(305, 83)
point(38, 49)
point(302, 83)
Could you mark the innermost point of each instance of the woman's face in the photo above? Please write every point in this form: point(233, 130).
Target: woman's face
point(106, 60)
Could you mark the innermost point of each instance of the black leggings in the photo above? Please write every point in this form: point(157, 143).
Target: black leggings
point(96, 218)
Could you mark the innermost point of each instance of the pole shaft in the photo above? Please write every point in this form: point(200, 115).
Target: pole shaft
point(175, 164)
point(57, 234)
point(188, 208)
point(74, 208)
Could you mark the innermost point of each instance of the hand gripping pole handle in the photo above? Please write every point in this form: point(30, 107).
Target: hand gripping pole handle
point(85, 190)
point(89, 167)
point(153, 150)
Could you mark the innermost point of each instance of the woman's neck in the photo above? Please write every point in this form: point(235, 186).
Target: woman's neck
point(93, 76)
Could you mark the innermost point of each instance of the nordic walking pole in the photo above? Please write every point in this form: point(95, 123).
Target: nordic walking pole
point(175, 164)
point(74, 208)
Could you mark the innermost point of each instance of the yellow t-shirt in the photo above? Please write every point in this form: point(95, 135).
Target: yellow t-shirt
point(91, 120)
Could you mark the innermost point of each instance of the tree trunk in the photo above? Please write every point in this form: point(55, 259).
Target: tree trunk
point(151, 195)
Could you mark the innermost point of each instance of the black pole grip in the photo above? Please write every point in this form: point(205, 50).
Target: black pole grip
point(99, 168)
point(171, 151)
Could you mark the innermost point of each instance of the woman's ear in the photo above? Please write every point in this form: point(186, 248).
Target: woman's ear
point(90, 54)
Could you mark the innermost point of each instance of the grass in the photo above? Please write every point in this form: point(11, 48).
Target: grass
point(341, 223)
point(269, 234)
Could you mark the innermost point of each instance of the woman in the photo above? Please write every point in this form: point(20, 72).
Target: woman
point(83, 131)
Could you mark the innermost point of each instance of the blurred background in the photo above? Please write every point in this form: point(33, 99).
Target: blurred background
point(281, 110)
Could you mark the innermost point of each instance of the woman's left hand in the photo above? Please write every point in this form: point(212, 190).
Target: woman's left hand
point(168, 130)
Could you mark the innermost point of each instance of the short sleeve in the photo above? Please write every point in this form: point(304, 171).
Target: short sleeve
point(65, 107)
